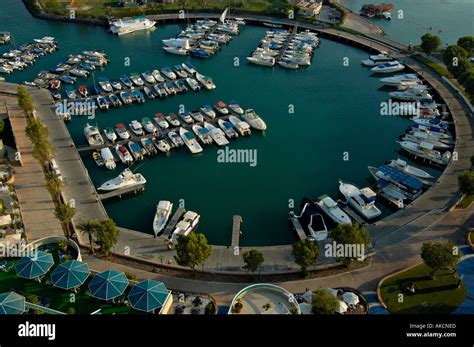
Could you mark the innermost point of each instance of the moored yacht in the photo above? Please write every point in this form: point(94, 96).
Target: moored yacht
point(221, 107)
point(426, 151)
point(93, 136)
point(242, 127)
point(163, 212)
point(206, 81)
point(108, 158)
point(332, 210)
point(402, 165)
point(175, 139)
point(378, 59)
point(190, 141)
point(162, 146)
point(122, 131)
point(361, 200)
point(186, 225)
point(208, 111)
point(228, 128)
point(254, 120)
point(390, 67)
point(110, 134)
point(121, 27)
point(202, 133)
point(126, 179)
point(312, 221)
point(401, 80)
point(123, 154)
point(235, 107)
point(161, 121)
point(217, 134)
point(410, 186)
point(261, 59)
point(414, 93)
point(136, 127)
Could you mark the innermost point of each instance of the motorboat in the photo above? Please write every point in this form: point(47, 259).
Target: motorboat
point(138, 95)
point(216, 134)
point(126, 97)
point(168, 73)
point(105, 85)
point(162, 146)
point(390, 67)
point(361, 200)
point(148, 77)
point(67, 79)
point(160, 90)
point(176, 50)
point(179, 70)
point(116, 85)
point(242, 127)
point(185, 226)
point(221, 107)
point(121, 26)
point(79, 73)
point(110, 134)
point(149, 93)
point(124, 154)
point(161, 121)
point(181, 86)
point(83, 91)
point(419, 137)
point(157, 76)
point(205, 81)
point(439, 136)
point(234, 106)
point(102, 102)
point(136, 127)
point(71, 93)
point(193, 84)
point(163, 212)
point(203, 134)
point(414, 93)
point(426, 151)
point(108, 158)
point(289, 64)
point(98, 159)
point(436, 121)
point(186, 117)
point(126, 179)
point(170, 88)
point(402, 165)
point(391, 193)
point(148, 125)
point(173, 120)
point(126, 81)
point(136, 79)
point(261, 59)
point(180, 42)
point(147, 145)
point(200, 53)
point(55, 85)
point(122, 131)
point(189, 68)
point(197, 116)
point(175, 139)
point(135, 150)
point(332, 210)
point(409, 185)
point(312, 221)
point(378, 59)
point(401, 80)
point(208, 111)
point(227, 128)
point(254, 120)
point(93, 136)
point(190, 141)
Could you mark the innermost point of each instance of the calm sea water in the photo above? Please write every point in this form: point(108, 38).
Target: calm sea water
point(336, 110)
point(450, 19)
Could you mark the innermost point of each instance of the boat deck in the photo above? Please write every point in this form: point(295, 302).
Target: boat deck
point(351, 213)
point(173, 221)
point(296, 226)
point(236, 221)
point(121, 191)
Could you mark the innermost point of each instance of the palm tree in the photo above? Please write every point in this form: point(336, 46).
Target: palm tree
point(65, 213)
point(89, 228)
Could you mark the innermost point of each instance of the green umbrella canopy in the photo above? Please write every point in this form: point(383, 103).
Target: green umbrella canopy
point(108, 284)
point(148, 295)
point(70, 274)
point(34, 265)
point(12, 303)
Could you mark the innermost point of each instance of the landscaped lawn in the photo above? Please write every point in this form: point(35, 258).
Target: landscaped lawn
point(60, 299)
point(440, 295)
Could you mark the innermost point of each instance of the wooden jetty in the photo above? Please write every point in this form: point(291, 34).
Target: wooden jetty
point(174, 220)
point(236, 221)
point(351, 213)
point(296, 225)
point(121, 191)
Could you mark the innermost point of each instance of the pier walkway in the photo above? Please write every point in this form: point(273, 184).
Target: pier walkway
point(173, 221)
point(236, 220)
point(120, 192)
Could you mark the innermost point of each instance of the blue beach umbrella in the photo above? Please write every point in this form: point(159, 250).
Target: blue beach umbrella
point(148, 295)
point(34, 265)
point(108, 285)
point(70, 274)
point(12, 303)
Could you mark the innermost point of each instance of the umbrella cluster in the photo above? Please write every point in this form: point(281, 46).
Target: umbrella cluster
point(70, 274)
point(108, 285)
point(34, 265)
point(148, 295)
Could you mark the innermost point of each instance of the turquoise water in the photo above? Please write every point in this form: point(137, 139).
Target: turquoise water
point(301, 154)
point(450, 19)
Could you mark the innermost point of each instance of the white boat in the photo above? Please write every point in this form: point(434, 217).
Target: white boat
point(235, 107)
point(190, 141)
point(288, 64)
point(122, 131)
point(227, 128)
point(173, 120)
point(312, 221)
point(184, 43)
point(217, 134)
point(147, 76)
point(333, 211)
point(163, 212)
point(419, 137)
point(136, 127)
point(197, 116)
point(175, 138)
point(208, 111)
point(125, 180)
point(157, 76)
point(124, 154)
point(414, 93)
point(261, 59)
point(108, 157)
point(148, 125)
point(162, 146)
point(242, 127)
point(46, 39)
point(254, 120)
point(401, 80)
point(378, 59)
point(121, 27)
point(409, 169)
point(203, 134)
point(193, 84)
point(361, 200)
point(161, 121)
point(390, 67)
point(430, 122)
point(206, 81)
point(93, 136)
point(189, 68)
point(168, 73)
point(391, 193)
point(110, 134)
point(426, 151)
point(186, 225)
point(176, 50)
point(185, 116)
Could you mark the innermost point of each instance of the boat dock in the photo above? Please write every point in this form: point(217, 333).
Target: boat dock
point(120, 192)
point(296, 226)
point(236, 221)
point(173, 221)
point(351, 213)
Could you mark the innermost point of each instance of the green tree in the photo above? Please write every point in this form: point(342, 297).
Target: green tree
point(467, 42)
point(430, 43)
point(89, 228)
point(468, 84)
point(351, 235)
point(437, 256)
point(24, 100)
point(54, 185)
point(466, 182)
point(323, 302)
point(306, 254)
point(107, 235)
point(253, 259)
point(65, 213)
point(192, 250)
point(451, 52)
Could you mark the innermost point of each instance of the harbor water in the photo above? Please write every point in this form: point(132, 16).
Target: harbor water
point(324, 124)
